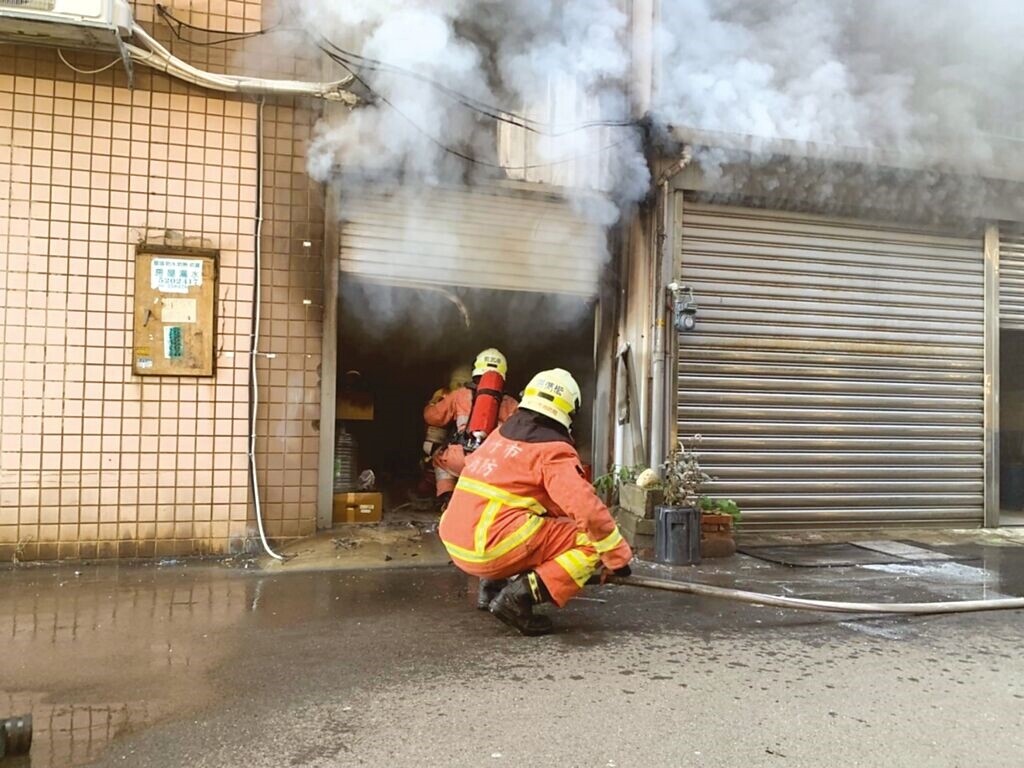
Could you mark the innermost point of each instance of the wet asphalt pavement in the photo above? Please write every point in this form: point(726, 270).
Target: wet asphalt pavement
point(204, 665)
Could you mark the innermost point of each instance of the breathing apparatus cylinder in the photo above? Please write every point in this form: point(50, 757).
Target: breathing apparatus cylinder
point(486, 404)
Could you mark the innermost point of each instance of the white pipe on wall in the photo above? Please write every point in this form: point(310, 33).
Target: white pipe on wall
point(662, 277)
point(154, 55)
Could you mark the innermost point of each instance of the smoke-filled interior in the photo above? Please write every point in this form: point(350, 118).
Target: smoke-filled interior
point(1011, 425)
point(405, 342)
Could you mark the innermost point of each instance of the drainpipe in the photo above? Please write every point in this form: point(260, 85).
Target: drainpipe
point(662, 277)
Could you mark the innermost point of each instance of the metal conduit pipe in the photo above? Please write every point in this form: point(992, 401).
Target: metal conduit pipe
point(662, 276)
point(832, 606)
point(156, 56)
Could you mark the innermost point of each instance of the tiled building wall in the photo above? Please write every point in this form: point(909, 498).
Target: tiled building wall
point(94, 461)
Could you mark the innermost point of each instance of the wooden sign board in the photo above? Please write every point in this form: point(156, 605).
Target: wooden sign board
point(175, 311)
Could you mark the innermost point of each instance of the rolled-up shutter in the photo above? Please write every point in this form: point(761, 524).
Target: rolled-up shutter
point(836, 372)
point(1011, 282)
point(491, 237)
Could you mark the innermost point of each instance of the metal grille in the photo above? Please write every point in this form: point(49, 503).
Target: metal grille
point(29, 5)
point(484, 238)
point(1011, 283)
point(836, 373)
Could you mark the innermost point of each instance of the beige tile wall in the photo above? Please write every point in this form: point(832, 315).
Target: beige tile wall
point(93, 461)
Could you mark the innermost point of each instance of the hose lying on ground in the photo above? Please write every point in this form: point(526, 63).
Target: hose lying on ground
point(799, 603)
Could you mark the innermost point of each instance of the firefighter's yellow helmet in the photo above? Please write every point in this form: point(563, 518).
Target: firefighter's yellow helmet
point(460, 377)
point(490, 360)
point(554, 394)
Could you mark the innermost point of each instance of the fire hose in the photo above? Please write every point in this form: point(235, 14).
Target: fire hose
point(804, 604)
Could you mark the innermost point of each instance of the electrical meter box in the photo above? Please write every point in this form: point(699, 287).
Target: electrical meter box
point(175, 311)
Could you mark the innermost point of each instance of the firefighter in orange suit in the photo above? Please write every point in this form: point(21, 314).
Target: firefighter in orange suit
point(522, 508)
point(455, 408)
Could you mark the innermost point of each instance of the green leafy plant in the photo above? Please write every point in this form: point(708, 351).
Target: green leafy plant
point(607, 485)
point(720, 507)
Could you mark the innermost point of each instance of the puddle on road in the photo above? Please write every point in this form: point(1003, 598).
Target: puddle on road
point(71, 734)
point(97, 653)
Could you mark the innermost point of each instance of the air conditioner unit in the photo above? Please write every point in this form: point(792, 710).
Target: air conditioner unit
point(92, 24)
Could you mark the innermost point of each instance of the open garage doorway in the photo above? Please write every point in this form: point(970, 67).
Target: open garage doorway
point(398, 344)
point(1011, 427)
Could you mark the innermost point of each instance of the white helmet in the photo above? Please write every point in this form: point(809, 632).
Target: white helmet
point(554, 394)
point(490, 360)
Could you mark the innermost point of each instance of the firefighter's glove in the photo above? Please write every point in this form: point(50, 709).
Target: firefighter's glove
point(602, 576)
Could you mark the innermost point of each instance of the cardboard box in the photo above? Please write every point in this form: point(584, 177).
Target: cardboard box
point(357, 508)
point(355, 406)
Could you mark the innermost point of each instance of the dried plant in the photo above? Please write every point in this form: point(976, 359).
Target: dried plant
point(684, 477)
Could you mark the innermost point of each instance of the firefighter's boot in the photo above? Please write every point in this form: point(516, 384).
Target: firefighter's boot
point(489, 589)
point(514, 605)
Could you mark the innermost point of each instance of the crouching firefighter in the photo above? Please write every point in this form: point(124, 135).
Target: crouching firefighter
point(524, 518)
point(474, 410)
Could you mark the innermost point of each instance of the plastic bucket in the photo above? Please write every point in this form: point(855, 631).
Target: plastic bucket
point(677, 535)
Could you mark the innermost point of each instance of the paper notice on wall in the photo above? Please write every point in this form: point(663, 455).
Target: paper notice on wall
point(176, 275)
point(179, 311)
point(173, 342)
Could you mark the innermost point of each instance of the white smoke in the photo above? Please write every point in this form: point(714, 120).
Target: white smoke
point(900, 75)
point(931, 78)
point(518, 57)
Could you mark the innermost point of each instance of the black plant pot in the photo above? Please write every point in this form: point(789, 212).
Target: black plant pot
point(676, 535)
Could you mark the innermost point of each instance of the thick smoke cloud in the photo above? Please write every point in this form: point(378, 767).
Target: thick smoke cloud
point(510, 55)
point(901, 75)
point(931, 78)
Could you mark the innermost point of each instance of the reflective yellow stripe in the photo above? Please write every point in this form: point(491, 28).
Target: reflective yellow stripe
point(496, 499)
point(521, 535)
point(483, 527)
point(559, 402)
point(609, 542)
point(578, 565)
point(493, 493)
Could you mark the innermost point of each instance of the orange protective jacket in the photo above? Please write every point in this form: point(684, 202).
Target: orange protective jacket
point(456, 407)
point(506, 490)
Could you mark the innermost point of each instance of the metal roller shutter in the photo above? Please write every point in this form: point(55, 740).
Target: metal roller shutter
point(836, 372)
point(482, 238)
point(1011, 283)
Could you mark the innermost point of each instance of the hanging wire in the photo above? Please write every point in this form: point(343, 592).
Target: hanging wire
point(176, 26)
point(351, 60)
point(462, 155)
point(69, 65)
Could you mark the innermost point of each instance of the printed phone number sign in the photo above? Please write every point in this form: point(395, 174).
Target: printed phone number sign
point(176, 275)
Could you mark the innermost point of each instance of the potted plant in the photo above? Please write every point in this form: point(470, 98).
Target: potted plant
point(719, 518)
point(677, 520)
point(684, 483)
point(609, 485)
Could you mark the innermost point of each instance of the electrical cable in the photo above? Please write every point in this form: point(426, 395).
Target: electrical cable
point(176, 25)
point(158, 57)
point(833, 606)
point(254, 399)
point(349, 59)
point(69, 65)
point(462, 155)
